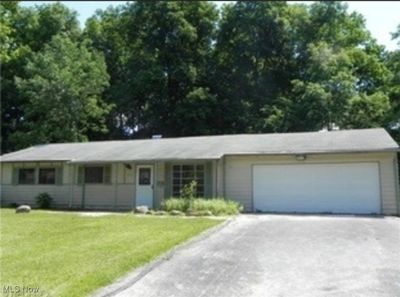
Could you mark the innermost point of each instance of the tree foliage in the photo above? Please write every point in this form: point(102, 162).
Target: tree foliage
point(188, 68)
point(63, 94)
point(24, 32)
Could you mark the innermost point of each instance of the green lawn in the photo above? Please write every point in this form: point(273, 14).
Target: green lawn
point(66, 254)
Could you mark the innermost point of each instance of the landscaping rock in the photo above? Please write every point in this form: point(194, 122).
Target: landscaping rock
point(151, 212)
point(142, 209)
point(23, 209)
point(176, 213)
point(161, 213)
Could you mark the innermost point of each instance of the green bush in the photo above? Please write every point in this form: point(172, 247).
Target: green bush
point(44, 200)
point(217, 206)
point(175, 204)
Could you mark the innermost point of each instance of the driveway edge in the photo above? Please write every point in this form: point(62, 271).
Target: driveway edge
point(134, 276)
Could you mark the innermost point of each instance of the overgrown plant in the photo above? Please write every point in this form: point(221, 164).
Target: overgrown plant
point(188, 193)
point(189, 190)
point(44, 200)
point(217, 206)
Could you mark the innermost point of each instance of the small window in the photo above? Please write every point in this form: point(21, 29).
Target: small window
point(94, 175)
point(144, 176)
point(47, 176)
point(26, 176)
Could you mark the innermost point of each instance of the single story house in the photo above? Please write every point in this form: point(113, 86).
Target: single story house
point(347, 171)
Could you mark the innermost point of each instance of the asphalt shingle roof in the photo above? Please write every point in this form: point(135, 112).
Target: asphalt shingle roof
point(210, 147)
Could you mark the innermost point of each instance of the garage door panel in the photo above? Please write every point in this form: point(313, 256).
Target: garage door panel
point(336, 188)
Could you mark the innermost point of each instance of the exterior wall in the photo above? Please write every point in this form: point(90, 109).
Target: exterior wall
point(117, 195)
point(25, 194)
point(238, 174)
point(159, 182)
point(230, 176)
point(220, 177)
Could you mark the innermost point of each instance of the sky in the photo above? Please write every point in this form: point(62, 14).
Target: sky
point(382, 17)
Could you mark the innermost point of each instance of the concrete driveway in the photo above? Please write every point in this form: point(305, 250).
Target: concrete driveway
point(279, 255)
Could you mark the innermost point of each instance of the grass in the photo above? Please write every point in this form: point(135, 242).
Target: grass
point(217, 206)
point(66, 254)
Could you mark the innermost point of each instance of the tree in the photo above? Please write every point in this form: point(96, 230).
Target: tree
point(62, 90)
point(393, 63)
point(340, 72)
point(185, 68)
point(101, 30)
point(253, 57)
point(24, 31)
point(158, 61)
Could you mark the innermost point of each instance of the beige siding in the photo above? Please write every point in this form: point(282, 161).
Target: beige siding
point(238, 174)
point(77, 196)
point(25, 194)
point(126, 195)
point(99, 196)
point(130, 174)
point(120, 168)
point(159, 183)
point(214, 177)
point(220, 178)
point(118, 195)
point(6, 174)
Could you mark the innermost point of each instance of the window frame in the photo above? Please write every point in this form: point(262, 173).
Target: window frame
point(195, 177)
point(139, 183)
point(19, 176)
point(47, 168)
point(96, 182)
point(57, 167)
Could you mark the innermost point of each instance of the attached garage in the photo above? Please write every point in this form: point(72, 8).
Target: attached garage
point(333, 188)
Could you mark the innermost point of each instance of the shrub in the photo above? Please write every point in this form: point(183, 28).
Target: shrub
point(217, 206)
point(44, 200)
point(176, 204)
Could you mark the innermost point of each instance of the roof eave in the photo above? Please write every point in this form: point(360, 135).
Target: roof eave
point(393, 150)
point(33, 161)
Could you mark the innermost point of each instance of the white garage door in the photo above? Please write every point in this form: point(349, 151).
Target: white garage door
point(336, 188)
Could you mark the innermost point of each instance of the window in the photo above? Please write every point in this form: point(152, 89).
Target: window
point(47, 176)
point(144, 176)
point(94, 175)
point(26, 176)
point(185, 174)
